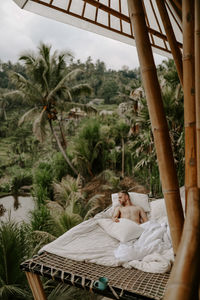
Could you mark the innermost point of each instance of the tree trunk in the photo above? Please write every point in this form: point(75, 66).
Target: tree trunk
point(61, 149)
point(16, 203)
point(64, 143)
point(123, 154)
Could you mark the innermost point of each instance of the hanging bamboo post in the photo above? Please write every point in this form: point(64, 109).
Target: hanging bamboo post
point(184, 278)
point(189, 94)
point(36, 286)
point(197, 83)
point(158, 121)
point(176, 52)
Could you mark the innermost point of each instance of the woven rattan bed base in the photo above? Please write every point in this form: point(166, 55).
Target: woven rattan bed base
point(123, 283)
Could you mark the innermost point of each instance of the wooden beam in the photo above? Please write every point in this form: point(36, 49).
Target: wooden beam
point(36, 286)
point(158, 121)
point(176, 4)
point(197, 83)
point(189, 95)
point(176, 52)
point(183, 282)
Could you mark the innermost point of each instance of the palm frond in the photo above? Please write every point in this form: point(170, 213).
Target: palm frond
point(55, 208)
point(44, 235)
point(31, 91)
point(94, 205)
point(66, 190)
point(73, 74)
point(66, 221)
point(12, 94)
point(62, 83)
point(28, 116)
point(28, 58)
point(81, 90)
point(14, 290)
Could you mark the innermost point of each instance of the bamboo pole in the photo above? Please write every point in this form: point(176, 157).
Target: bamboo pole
point(183, 282)
point(197, 88)
point(176, 52)
point(36, 286)
point(189, 95)
point(158, 121)
point(197, 83)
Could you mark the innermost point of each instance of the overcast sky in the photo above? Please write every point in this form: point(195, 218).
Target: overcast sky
point(21, 30)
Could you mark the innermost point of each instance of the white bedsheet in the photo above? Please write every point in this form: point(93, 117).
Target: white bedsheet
point(88, 242)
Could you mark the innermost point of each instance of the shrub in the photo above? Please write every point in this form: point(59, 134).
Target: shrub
point(43, 178)
point(19, 179)
point(5, 187)
point(59, 166)
point(41, 219)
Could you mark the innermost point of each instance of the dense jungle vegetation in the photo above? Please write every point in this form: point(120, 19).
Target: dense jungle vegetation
point(64, 125)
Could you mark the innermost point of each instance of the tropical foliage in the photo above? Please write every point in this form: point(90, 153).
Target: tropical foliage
point(14, 248)
point(54, 95)
point(46, 90)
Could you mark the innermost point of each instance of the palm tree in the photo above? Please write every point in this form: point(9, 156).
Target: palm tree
point(47, 88)
point(121, 130)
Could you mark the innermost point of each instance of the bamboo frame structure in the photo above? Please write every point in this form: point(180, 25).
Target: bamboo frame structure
point(158, 122)
point(36, 286)
point(189, 95)
point(184, 278)
point(115, 23)
point(197, 84)
point(176, 52)
point(183, 283)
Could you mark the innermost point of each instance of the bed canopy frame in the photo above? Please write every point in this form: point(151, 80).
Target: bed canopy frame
point(170, 28)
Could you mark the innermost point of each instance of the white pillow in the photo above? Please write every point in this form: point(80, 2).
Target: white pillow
point(136, 198)
point(158, 209)
point(124, 230)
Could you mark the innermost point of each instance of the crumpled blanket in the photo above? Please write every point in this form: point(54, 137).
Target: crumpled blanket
point(88, 242)
point(152, 251)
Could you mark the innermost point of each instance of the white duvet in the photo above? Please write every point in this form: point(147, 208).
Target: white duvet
point(151, 252)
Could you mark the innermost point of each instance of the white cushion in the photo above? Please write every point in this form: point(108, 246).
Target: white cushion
point(124, 230)
point(136, 198)
point(158, 209)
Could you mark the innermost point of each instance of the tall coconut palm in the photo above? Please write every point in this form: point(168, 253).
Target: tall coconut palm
point(47, 88)
point(121, 130)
